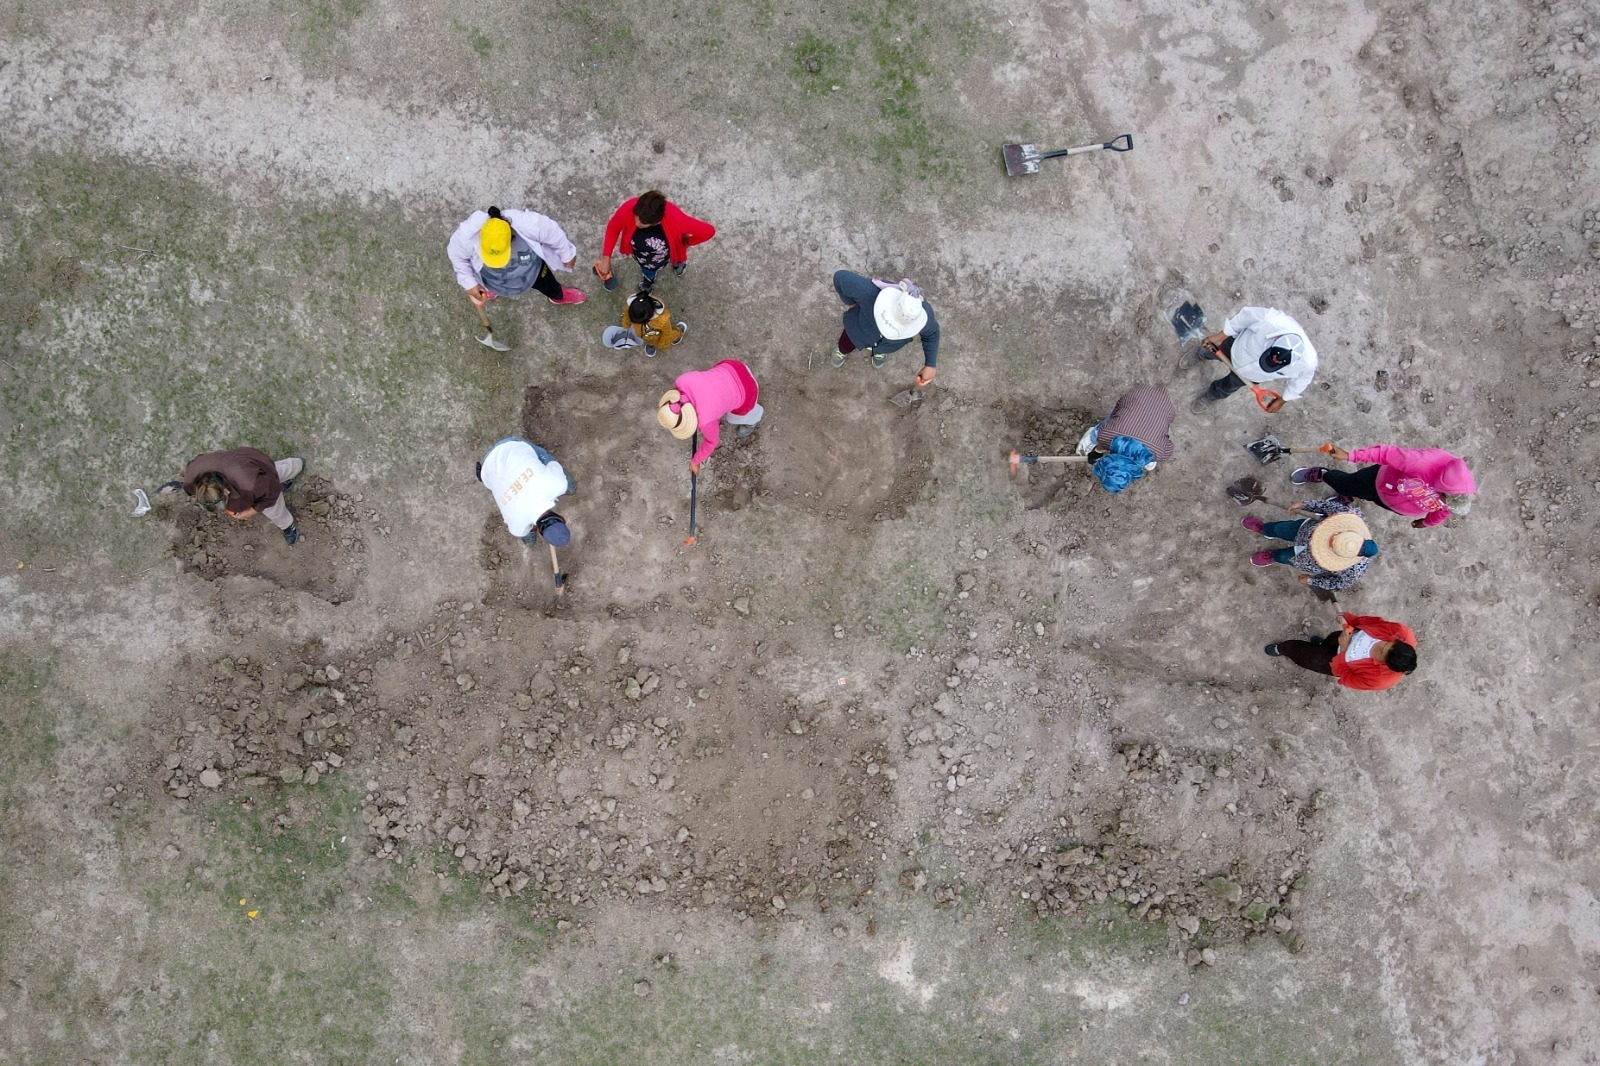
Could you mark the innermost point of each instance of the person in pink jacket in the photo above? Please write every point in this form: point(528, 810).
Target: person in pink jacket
point(703, 398)
point(1427, 482)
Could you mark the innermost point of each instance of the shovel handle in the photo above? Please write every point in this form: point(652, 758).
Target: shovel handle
point(1121, 143)
point(1264, 397)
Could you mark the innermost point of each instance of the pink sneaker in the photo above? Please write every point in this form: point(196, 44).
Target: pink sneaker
point(570, 296)
point(1252, 523)
point(1262, 558)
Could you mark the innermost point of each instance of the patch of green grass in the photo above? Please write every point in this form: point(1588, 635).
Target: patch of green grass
point(27, 737)
point(814, 62)
point(253, 1002)
point(1109, 930)
point(286, 854)
point(479, 40)
point(901, 45)
point(323, 19)
point(138, 338)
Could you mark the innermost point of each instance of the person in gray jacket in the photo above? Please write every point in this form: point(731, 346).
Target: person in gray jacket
point(881, 317)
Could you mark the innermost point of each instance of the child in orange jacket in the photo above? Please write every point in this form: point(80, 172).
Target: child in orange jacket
point(1369, 653)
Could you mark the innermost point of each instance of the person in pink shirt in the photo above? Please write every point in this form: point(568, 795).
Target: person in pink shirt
point(1427, 482)
point(703, 398)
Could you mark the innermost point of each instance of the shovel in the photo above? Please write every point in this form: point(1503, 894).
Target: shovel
point(906, 398)
point(487, 340)
point(1023, 159)
point(561, 579)
point(1247, 490)
point(1015, 461)
point(1270, 449)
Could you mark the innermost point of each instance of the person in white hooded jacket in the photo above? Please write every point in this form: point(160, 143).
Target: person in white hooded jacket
point(1260, 346)
point(506, 253)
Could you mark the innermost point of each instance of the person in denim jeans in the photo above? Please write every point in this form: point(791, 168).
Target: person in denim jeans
point(526, 482)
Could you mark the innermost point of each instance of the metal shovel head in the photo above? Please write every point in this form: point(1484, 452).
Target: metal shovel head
point(488, 341)
point(1268, 449)
point(1020, 158)
point(1245, 491)
point(905, 399)
point(1189, 322)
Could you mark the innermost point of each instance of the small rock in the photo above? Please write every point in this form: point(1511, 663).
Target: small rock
point(210, 779)
point(465, 682)
point(1183, 1000)
point(809, 794)
point(332, 672)
point(742, 604)
point(641, 988)
point(778, 903)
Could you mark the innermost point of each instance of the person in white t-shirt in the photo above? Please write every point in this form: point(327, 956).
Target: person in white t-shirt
point(526, 482)
point(1261, 346)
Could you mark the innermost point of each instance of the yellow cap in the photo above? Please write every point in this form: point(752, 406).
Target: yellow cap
point(494, 243)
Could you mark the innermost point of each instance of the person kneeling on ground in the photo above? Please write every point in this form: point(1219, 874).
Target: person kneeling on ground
point(1368, 653)
point(1132, 439)
point(647, 317)
point(244, 482)
point(700, 401)
point(1411, 481)
point(526, 482)
point(1330, 552)
point(881, 317)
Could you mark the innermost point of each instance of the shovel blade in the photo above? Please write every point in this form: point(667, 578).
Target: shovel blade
point(1245, 491)
point(1268, 449)
point(905, 399)
point(488, 341)
point(1189, 322)
point(1020, 159)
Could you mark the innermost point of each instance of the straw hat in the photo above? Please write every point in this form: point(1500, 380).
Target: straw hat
point(899, 314)
point(1337, 540)
point(680, 423)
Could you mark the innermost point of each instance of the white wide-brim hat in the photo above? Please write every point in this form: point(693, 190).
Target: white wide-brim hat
point(899, 314)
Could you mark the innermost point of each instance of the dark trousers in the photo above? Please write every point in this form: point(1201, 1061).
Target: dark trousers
point(1314, 655)
point(546, 283)
point(1361, 485)
point(846, 345)
point(1229, 383)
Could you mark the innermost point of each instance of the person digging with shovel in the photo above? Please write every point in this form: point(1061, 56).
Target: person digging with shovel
point(1368, 653)
point(1259, 345)
point(882, 317)
point(244, 482)
point(1426, 482)
point(1330, 551)
point(526, 482)
point(654, 231)
point(506, 253)
point(701, 399)
point(1132, 439)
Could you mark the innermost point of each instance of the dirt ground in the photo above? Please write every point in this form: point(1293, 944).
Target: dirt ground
point(903, 761)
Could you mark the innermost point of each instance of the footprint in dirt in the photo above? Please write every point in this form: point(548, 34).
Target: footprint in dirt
point(328, 562)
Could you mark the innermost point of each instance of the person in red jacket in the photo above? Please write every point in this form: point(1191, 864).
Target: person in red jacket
point(654, 232)
point(1368, 653)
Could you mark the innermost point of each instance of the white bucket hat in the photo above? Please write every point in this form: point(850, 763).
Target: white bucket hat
point(899, 314)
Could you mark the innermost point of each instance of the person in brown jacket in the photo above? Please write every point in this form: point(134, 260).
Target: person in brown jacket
point(246, 482)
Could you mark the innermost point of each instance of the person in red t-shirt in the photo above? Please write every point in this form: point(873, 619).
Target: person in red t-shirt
point(1368, 653)
point(654, 232)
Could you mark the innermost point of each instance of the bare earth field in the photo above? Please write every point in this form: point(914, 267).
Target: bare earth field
point(904, 761)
